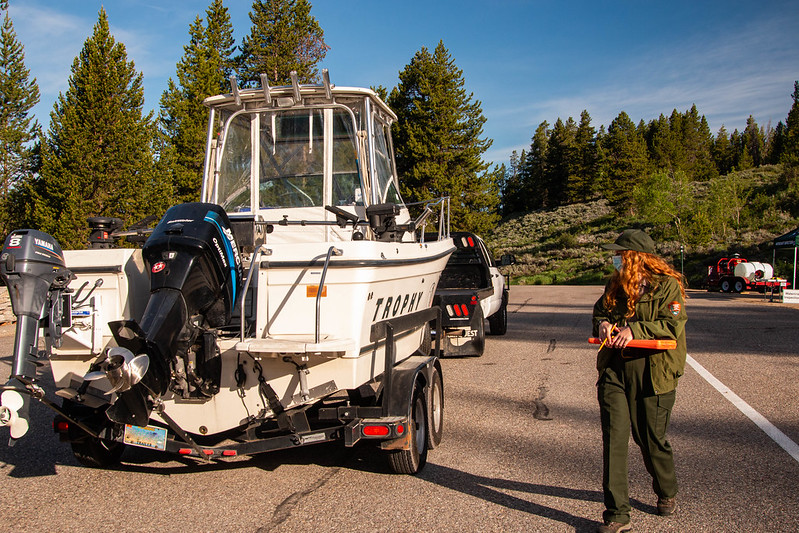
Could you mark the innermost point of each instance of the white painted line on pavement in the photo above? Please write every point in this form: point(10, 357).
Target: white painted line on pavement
point(768, 428)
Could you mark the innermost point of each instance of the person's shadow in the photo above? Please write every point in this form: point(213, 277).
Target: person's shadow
point(491, 490)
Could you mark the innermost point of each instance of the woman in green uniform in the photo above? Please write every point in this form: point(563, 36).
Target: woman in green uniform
point(644, 299)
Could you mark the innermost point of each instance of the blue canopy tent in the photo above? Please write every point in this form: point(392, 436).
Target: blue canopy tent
point(786, 242)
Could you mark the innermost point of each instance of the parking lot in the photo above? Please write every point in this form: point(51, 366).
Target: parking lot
point(521, 449)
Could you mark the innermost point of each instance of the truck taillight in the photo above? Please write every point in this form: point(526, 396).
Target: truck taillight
point(458, 310)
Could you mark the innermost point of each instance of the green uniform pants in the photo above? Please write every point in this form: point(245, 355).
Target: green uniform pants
point(626, 402)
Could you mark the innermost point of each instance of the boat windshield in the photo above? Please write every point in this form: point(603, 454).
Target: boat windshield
point(289, 160)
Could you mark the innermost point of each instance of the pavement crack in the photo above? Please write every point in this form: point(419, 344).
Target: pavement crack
point(541, 410)
point(552, 345)
point(284, 509)
point(521, 306)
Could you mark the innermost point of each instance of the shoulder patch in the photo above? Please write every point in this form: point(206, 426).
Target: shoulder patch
point(674, 308)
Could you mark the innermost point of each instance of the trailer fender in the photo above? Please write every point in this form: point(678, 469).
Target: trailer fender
point(405, 376)
point(410, 373)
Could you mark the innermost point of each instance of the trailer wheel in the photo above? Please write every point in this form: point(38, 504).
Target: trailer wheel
point(411, 461)
point(435, 415)
point(725, 285)
point(498, 322)
point(97, 453)
point(91, 451)
point(738, 285)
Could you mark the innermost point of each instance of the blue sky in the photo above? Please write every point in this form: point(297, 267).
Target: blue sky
point(526, 61)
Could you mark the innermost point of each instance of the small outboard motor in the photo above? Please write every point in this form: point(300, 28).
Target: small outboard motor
point(32, 266)
point(195, 273)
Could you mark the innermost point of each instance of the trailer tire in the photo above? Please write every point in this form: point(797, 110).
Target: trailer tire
point(725, 285)
point(435, 404)
point(91, 451)
point(97, 453)
point(411, 461)
point(738, 285)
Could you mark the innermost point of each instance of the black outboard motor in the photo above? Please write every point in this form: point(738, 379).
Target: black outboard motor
point(195, 273)
point(32, 266)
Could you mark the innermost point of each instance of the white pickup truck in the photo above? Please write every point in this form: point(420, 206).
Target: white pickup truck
point(471, 289)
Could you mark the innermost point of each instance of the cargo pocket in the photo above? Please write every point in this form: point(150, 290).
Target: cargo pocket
point(665, 405)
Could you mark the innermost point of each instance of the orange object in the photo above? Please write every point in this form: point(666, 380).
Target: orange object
point(652, 344)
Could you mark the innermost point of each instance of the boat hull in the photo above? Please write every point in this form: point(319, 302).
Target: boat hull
point(302, 358)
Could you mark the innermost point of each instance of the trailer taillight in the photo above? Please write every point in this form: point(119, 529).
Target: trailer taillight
point(62, 426)
point(474, 300)
point(376, 430)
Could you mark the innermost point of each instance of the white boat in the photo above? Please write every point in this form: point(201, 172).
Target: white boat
point(249, 320)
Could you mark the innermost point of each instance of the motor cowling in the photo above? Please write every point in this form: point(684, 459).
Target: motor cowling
point(32, 267)
point(193, 250)
point(195, 273)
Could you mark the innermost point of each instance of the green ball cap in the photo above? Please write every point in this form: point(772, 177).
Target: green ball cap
point(633, 239)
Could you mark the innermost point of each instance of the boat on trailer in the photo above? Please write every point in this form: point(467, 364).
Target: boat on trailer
point(291, 305)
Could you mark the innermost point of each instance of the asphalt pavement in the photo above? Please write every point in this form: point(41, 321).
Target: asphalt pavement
point(521, 448)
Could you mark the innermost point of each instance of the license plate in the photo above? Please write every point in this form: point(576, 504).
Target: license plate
point(145, 437)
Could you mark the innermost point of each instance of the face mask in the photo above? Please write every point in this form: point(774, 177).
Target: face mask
point(617, 262)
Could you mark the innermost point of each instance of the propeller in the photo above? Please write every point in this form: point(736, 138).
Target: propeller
point(14, 412)
point(122, 368)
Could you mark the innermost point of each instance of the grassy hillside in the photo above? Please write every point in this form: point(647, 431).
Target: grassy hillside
point(562, 245)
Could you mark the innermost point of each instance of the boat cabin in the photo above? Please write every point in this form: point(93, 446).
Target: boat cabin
point(314, 159)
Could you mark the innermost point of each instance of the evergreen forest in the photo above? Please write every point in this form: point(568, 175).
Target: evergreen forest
point(700, 193)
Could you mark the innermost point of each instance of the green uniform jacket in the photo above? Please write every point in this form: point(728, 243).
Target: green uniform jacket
point(659, 314)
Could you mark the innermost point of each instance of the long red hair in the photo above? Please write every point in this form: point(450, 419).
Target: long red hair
point(637, 267)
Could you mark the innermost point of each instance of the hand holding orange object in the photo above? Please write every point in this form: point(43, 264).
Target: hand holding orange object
point(606, 330)
point(622, 339)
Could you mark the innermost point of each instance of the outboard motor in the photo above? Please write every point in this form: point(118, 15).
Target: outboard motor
point(195, 273)
point(32, 266)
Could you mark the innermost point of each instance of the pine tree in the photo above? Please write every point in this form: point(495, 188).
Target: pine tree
point(511, 186)
point(283, 37)
point(723, 151)
point(438, 142)
point(790, 154)
point(535, 188)
point(752, 143)
point(203, 71)
point(582, 184)
point(625, 161)
point(97, 157)
point(18, 130)
point(562, 160)
point(777, 144)
point(662, 145)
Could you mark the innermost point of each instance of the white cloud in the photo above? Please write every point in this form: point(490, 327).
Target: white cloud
point(51, 39)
